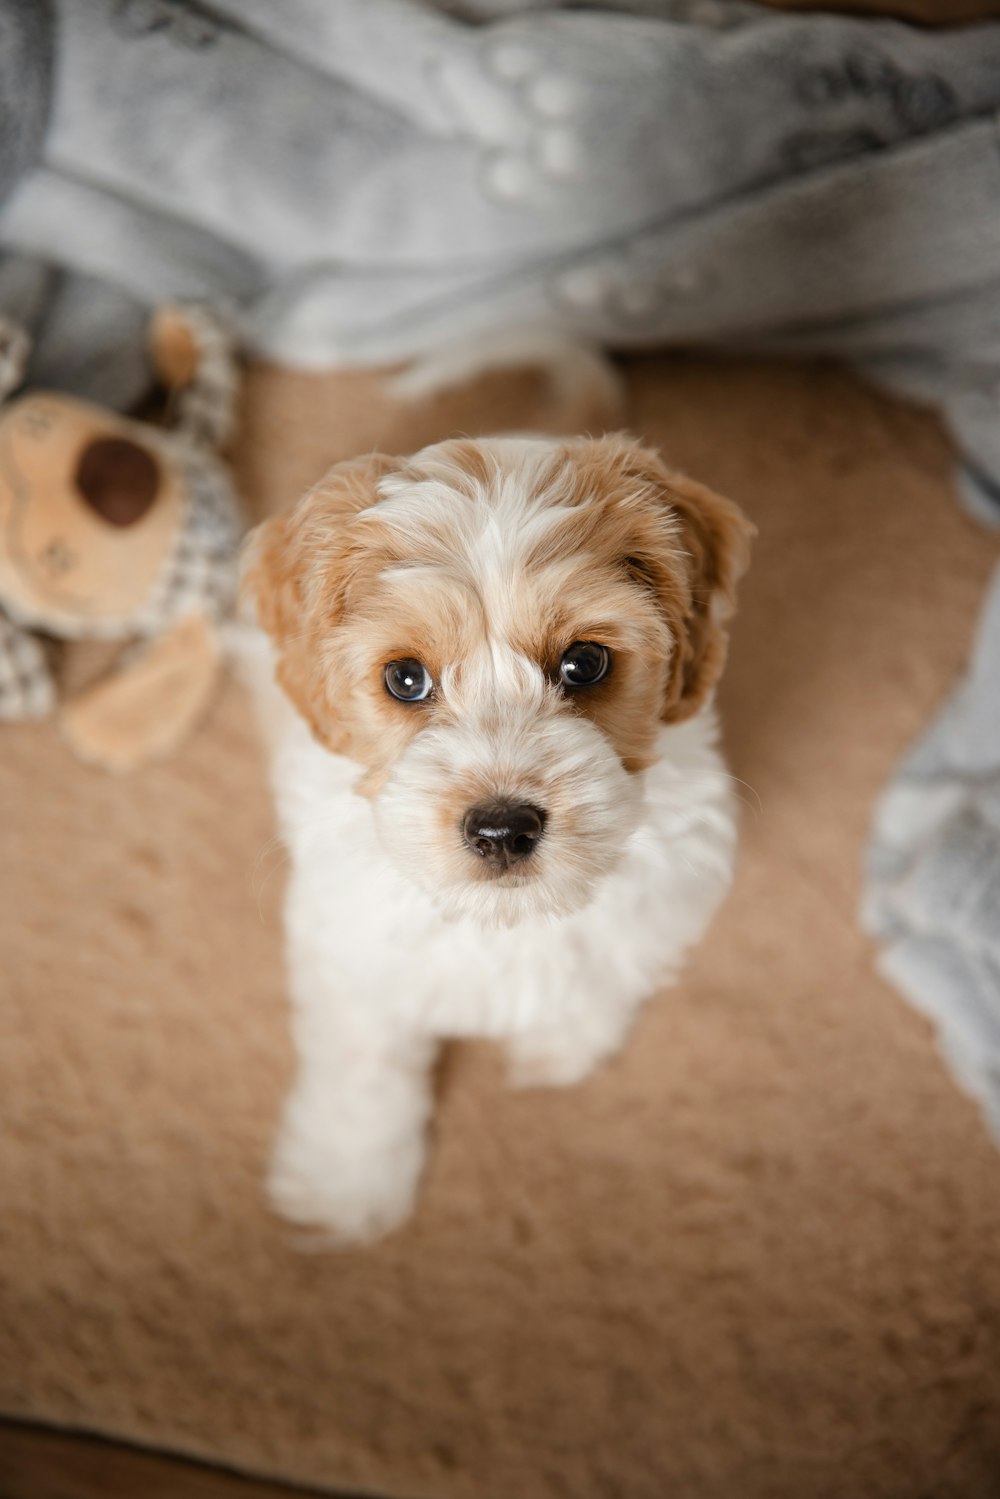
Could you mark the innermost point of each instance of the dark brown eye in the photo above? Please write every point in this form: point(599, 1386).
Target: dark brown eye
point(584, 664)
point(408, 680)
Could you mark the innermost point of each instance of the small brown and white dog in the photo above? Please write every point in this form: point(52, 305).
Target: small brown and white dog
point(487, 674)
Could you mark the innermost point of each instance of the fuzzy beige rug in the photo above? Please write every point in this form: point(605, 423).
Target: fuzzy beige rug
point(757, 1258)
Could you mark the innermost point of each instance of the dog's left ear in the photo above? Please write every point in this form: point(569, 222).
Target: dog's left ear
point(690, 547)
point(715, 537)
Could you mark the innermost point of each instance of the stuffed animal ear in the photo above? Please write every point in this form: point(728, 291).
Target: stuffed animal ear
point(143, 711)
point(173, 347)
point(194, 356)
point(296, 571)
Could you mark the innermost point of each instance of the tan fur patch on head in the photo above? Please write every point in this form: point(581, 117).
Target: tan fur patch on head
point(298, 568)
point(474, 552)
point(689, 545)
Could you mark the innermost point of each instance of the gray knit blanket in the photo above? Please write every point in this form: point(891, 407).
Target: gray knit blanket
point(367, 180)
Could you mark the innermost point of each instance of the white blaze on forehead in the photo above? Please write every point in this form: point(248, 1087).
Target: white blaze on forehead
point(491, 679)
point(479, 534)
point(491, 525)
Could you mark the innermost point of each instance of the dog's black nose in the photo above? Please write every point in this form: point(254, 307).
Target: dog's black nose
point(502, 833)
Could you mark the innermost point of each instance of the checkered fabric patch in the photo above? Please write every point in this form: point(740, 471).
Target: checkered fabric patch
point(14, 349)
point(26, 686)
point(200, 573)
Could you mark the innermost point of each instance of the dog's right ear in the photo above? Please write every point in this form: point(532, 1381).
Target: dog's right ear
point(295, 576)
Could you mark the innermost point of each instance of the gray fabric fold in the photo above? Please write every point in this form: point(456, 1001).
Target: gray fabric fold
point(370, 181)
point(26, 46)
point(933, 886)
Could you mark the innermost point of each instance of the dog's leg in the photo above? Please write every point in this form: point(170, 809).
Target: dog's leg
point(351, 1145)
point(558, 1056)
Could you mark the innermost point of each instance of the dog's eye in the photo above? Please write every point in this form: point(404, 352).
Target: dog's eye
point(584, 664)
point(408, 680)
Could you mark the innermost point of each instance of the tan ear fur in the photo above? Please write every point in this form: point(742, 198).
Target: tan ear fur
point(296, 572)
point(689, 545)
point(717, 539)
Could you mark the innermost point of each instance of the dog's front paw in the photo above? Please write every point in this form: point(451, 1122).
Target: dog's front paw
point(351, 1197)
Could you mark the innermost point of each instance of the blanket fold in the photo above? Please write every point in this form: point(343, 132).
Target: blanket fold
point(933, 896)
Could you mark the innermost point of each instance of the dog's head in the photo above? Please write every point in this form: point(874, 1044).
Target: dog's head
point(495, 632)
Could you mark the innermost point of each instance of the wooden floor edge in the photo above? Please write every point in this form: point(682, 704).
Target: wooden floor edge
point(43, 1462)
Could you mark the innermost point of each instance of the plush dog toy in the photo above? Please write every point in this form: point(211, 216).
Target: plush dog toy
point(114, 529)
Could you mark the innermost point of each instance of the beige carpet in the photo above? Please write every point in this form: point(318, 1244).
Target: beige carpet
point(757, 1258)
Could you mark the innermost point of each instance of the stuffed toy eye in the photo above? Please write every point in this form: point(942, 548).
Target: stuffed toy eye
point(408, 680)
point(584, 664)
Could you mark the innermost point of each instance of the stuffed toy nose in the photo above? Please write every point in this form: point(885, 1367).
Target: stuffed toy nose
point(118, 479)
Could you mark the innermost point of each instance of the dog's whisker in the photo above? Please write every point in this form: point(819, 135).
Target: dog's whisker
point(752, 790)
point(265, 852)
point(273, 847)
point(713, 777)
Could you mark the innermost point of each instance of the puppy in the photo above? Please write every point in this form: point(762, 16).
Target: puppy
point(486, 672)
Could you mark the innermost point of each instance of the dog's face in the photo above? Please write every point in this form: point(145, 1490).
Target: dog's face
point(495, 632)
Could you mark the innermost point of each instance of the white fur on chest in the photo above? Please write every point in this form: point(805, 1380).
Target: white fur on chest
point(361, 933)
